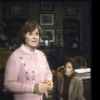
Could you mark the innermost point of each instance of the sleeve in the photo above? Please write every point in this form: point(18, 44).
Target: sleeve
point(59, 80)
point(11, 82)
point(49, 73)
point(80, 90)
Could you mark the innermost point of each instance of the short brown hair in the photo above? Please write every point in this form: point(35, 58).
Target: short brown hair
point(70, 61)
point(29, 26)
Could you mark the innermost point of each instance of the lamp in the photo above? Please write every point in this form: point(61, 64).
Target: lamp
point(75, 46)
point(46, 42)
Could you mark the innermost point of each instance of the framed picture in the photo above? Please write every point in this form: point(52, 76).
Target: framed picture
point(48, 34)
point(46, 6)
point(16, 9)
point(47, 19)
point(71, 10)
point(59, 24)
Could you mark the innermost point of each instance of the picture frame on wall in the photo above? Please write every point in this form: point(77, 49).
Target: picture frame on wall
point(71, 10)
point(48, 34)
point(16, 9)
point(46, 6)
point(46, 19)
point(59, 24)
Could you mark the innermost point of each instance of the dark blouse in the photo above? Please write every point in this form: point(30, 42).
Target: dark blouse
point(66, 85)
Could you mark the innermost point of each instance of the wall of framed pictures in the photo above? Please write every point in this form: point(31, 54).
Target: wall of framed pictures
point(49, 15)
point(15, 10)
point(53, 14)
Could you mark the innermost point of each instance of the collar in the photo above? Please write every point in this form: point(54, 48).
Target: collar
point(70, 77)
point(25, 50)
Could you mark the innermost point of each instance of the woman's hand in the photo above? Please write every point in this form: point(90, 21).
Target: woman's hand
point(40, 88)
point(49, 84)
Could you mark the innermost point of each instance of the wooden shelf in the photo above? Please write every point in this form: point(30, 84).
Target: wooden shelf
point(4, 55)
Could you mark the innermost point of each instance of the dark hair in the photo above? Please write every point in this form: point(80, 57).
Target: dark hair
point(70, 61)
point(29, 26)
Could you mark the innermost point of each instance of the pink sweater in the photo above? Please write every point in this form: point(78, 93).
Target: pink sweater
point(23, 70)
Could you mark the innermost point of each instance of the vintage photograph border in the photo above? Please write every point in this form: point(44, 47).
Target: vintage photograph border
point(71, 10)
point(46, 6)
point(47, 19)
point(16, 9)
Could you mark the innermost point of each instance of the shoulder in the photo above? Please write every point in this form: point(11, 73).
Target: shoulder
point(39, 52)
point(77, 80)
point(14, 58)
point(16, 54)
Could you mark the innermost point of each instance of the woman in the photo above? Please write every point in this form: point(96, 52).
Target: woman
point(27, 73)
point(69, 87)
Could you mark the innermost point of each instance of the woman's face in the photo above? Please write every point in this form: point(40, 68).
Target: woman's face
point(68, 69)
point(32, 39)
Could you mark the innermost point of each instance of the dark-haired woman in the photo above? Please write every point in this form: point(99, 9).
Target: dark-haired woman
point(69, 87)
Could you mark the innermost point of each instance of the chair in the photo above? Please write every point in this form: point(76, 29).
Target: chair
point(79, 62)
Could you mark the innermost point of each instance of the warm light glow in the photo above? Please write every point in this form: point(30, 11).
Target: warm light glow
point(46, 42)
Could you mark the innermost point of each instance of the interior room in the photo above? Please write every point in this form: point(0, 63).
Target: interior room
point(66, 35)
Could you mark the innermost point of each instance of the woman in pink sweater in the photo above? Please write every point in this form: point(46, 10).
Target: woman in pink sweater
point(27, 73)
